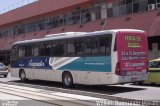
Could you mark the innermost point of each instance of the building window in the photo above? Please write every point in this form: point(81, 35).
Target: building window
point(41, 24)
point(122, 2)
point(96, 10)
point(85, 16)
point(135, 7)
point(151, 1)
point(122, 10)
point(128, 1)
point(110, 12)
point(129, 8)
point(142, 5)
point(116, 11)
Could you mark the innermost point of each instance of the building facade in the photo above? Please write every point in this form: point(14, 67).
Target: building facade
point(45, 17)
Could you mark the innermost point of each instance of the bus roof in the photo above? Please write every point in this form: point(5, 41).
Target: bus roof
point(75, 35)
point(66, 34)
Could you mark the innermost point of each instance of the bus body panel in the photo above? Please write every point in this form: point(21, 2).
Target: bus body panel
point(85, 70)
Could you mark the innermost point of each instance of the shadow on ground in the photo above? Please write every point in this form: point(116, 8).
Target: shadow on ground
point(50, 85)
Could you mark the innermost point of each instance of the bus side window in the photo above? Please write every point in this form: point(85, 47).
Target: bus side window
point(151, 65)
point(35, 51)
point(95, 45)
point(62, 48)
point(21, 51)
point(88, 46)
point(48, 49)
point(58, 48)
point(70, 48)
point(55, 47)
point(104, 45)
point(42, 49)
point(14, 54)
point(158, 64)
point(79, 45)
point(28, 50)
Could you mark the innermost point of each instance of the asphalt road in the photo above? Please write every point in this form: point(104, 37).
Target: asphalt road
point(130, 91)
point(12, 100)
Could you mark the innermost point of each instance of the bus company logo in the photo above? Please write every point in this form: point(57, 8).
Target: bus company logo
point(33, 64)
point(52, 62)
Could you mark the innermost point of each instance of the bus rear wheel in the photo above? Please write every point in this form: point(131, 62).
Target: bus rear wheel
point(22, 75)
point(67, 79)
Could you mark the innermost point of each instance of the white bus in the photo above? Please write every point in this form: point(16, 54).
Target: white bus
point(89, 58)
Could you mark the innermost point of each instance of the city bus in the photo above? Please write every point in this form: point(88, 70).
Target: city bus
point(89, 58)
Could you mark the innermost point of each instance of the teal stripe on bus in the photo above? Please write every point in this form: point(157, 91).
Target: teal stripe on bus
point(96, 64)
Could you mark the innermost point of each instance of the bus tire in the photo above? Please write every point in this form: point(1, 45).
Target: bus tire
point(67, 79)
point(22, 75)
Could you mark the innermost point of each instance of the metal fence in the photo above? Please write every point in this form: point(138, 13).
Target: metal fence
point(16, 5)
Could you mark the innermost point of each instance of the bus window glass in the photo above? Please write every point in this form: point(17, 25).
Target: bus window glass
point(62, 48)
point(14, 54)
point(79, 47)
point(21, 51)
point(158, 64)
point(35, 51)
point(151, 64)
point(95, 43)
point(104, 45)
point(42, 49)
point(48, 50)
point(88, 46)
point(70, 48)
point(28, 50)
point(55, 51)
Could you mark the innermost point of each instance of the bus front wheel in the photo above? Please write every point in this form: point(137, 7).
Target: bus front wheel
point(67, 79)
point(22, 75)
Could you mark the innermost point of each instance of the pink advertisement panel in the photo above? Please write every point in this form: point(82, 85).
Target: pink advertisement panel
point(132, 51)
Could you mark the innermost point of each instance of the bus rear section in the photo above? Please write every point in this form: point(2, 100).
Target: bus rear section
point(132, 57)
